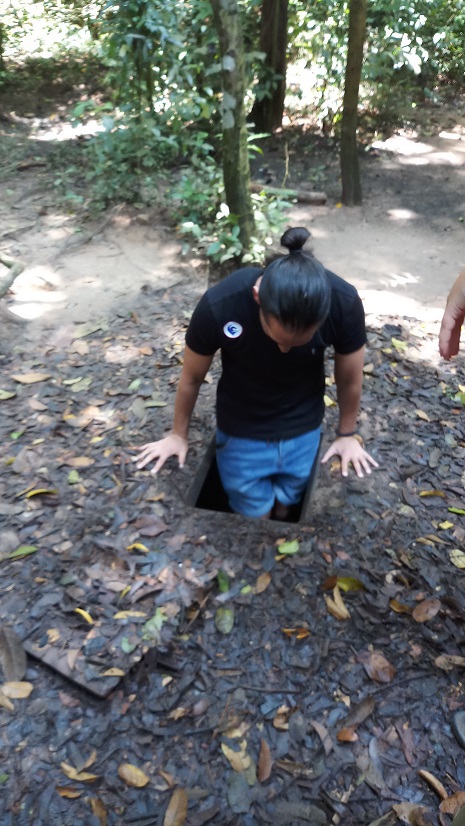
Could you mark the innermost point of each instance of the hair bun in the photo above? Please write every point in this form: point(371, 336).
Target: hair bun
point(295, 238)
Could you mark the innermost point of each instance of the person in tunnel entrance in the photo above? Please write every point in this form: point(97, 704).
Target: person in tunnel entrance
point(272, 327)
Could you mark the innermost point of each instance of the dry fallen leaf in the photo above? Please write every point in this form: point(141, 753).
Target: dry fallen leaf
point(359, 712)
point(426, 610)
point(74, 774)
point(98, 810)
point(337, 606)
point(138, 546)
point(377, 666)
point(411, 813)
point(132, 775)
point(345, 583)
point(5, 702)
point(90, 760)
point(452, 804)
point(299, 633)
point(434, 783)
point(16, 690)
point(422, 415)
point(176, 812)
point(30, 378)
point(68, 791)
point(262, 583)
point(178, 713)
point(457, 557)
point(239, 760)
point(399, 607)
point(6, 394)
point(113, 672)
point(85, 615)
point(265, 762)
point(347, 735)
point(281, 719)
point(167, 777)
point(78, 461)
point(324, 735)
point(40, 492)
point(449, 661)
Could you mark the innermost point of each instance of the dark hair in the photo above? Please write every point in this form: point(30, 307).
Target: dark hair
point(295, 288)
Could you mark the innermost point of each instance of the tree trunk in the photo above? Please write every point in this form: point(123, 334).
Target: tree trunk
point(267, 113)
point(236, 170)
point(351, 186)
point(2, 46)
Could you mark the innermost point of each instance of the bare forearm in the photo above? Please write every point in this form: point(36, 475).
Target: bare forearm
point(184, 404)
point(348, 398)
point(348, 373)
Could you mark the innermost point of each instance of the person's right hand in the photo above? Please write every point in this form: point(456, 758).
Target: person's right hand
point(171, 445)
point(453, 318)
point(449, 336)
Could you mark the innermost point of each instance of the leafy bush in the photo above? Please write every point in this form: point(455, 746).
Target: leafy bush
point(196, 205)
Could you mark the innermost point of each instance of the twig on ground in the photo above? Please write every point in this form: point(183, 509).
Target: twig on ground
point(86, 237)
point(15, 267)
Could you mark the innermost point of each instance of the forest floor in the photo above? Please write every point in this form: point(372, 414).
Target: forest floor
point(190, 666)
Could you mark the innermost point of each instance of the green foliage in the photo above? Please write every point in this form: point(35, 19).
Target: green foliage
point(411, 45)
point(46, 28)
point(266, 82)
point(159, 56)
point(443, 34)
point(120, 163)
point(196, 205)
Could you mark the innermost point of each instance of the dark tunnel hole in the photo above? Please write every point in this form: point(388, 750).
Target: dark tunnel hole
point(207, 492)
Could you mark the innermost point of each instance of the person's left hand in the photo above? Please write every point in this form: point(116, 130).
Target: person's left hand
point(350, 451)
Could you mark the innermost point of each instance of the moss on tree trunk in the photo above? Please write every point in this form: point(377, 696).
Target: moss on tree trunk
point(236, 170)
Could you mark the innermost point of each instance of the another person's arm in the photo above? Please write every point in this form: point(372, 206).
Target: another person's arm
point(453, 318)
point(349, 377)
point(194, 370)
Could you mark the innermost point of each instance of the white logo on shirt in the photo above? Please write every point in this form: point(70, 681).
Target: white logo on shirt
point(232, 329)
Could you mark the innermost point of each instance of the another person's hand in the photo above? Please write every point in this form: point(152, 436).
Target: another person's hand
point(453, 318)
point(171, 445)
point(350, 451)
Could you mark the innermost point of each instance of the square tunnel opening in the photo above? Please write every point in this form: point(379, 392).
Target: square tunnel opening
point(207, 492)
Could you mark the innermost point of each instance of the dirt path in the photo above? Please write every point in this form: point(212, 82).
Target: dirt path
point(406, 244)
point(402, 248)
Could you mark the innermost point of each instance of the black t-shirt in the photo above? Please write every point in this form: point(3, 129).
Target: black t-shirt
point(264, 393)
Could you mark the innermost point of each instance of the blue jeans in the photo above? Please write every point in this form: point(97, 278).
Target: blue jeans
point(255, 474)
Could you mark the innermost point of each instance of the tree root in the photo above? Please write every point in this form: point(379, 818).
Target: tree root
point(15, 267)
point(75, 241)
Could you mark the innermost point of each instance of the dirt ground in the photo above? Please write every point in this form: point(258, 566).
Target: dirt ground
point(335, 697)
point(401, 249)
